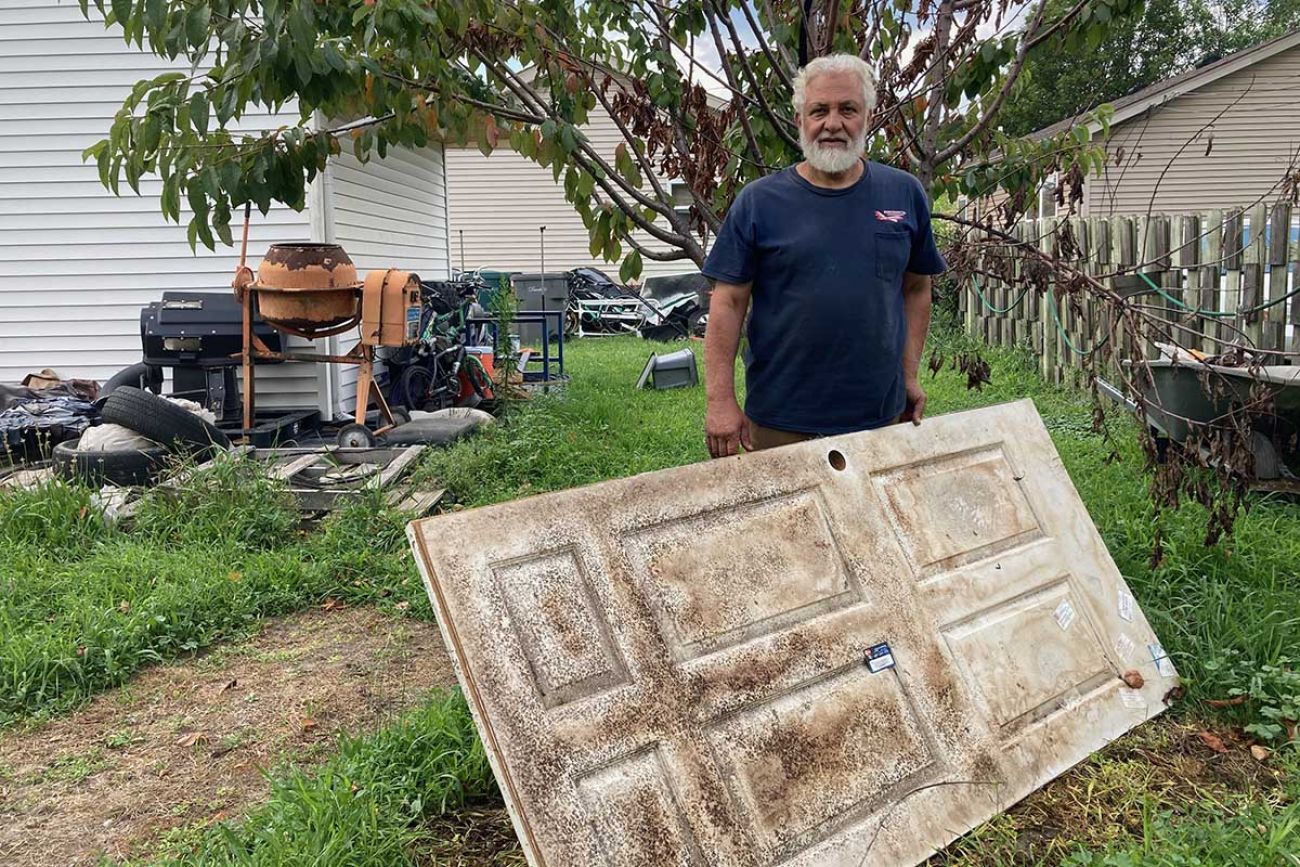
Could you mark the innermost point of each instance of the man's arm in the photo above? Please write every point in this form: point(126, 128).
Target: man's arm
point(916, 311)
point(725, 427)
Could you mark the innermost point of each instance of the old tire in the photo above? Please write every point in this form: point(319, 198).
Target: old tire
point(162, 421)
point(123, 467)
point(138, 375)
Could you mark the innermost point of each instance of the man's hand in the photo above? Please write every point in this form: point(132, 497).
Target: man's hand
point(725, 428)
point(915, 408)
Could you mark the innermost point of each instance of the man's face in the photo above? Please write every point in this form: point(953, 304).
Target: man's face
point(833, 125)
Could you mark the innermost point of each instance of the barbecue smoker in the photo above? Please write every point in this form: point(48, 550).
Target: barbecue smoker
point(198, 336)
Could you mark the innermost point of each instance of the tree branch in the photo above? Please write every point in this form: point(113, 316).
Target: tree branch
point(658, 255)
point(781, 124)
point(777, 66)
point(1012, 75)
point(710, 10)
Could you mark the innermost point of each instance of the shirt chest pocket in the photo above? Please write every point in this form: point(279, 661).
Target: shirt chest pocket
point(893, 249)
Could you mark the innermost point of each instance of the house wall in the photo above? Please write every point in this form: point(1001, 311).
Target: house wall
point(76, 262)
point(497, 202)
point(389, 213)
point(1250, 145)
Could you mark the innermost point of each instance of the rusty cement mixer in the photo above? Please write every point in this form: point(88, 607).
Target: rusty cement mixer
point(311, 290)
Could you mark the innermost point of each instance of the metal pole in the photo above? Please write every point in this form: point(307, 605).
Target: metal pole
point(246, 330)
point(462, 250)
point(541, 233)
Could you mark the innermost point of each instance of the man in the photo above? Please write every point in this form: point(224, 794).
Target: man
point(836, 254)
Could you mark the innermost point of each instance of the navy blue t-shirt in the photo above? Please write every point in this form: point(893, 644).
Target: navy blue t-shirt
point(826, 333)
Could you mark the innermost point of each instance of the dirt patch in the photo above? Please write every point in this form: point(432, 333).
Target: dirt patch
point(1164, 763)
point(186, 743)
point(478, 836)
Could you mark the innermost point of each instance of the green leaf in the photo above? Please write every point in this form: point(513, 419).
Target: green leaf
point(196, 25)
point(155, 15)
point(199, 112)
point(122, 12)
point(304, 35)
point(632, 266)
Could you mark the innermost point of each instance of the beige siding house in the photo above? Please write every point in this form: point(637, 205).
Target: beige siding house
point(1221, 136)
point(497, 205)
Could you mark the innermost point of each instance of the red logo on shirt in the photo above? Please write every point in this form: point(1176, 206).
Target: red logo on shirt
point(891, 216)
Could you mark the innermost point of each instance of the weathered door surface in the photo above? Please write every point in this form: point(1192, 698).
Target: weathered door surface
point(689, 667)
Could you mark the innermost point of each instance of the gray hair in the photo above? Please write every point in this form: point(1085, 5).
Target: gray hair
point(836, 63)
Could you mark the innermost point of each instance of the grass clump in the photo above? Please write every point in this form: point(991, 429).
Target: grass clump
point(365, 807)
point(232, 502)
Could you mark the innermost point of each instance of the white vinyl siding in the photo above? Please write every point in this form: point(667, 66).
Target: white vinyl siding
point(389, 213)
point(1248, 120)
point(497, 204)
point(76, 262)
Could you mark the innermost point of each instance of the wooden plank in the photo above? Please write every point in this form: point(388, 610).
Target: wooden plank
point(1232, 246)
point(417, 504)
point(1121, 259)
point(400, 465)
point(378, 455)
point(1078, 318)
point(1048, 360)
point(288, 470)
point(1280, 226)
point(1187, 248)
point(325, 501)
point(1252, 279)
point(1293, 271)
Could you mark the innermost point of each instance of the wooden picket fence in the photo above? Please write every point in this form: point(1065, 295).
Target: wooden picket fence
point(1216, 262)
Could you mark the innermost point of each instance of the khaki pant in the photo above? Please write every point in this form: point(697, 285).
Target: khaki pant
point(769, 438)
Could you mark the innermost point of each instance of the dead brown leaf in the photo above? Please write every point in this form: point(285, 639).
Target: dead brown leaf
point(1213, 741)
point(1261, 753)
point(228, 685)
point(1226, 702)
point(124, 606)
point(191, 739)
point(308, 724)
point(403, 605)
point(235, 576)
point(332, 604)
point(1133, 679)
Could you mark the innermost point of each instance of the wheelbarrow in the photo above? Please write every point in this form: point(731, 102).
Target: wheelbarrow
point(1184, 391)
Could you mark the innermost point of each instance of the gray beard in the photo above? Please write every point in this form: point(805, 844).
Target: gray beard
point(833, 161)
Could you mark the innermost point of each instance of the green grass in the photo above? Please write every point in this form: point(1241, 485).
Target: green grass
point(83, 607)
point(365, 807)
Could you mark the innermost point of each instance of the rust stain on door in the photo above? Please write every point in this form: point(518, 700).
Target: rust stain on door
point(843, 652)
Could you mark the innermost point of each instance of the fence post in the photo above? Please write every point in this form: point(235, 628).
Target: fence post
point(1275, 317)
point(1293, 270)
point(1186, 246)
point(1102, 314)
point(1232, 250)
point(1047, 360)
point(1252, 277)
point(1122, 261)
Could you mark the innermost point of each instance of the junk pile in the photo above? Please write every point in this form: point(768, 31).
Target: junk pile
point(43, 412)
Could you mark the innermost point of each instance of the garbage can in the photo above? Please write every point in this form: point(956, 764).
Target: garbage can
point(549, 291)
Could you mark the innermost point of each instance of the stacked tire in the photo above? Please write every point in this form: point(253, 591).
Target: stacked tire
point(174, 429)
